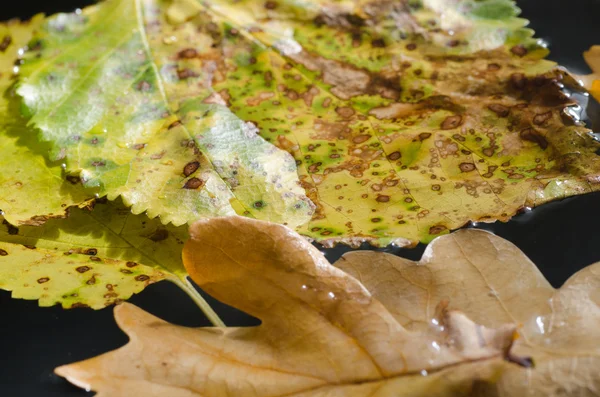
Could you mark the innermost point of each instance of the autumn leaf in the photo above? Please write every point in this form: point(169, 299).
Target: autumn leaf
point(31, 189)
point(494, 283)
point(322, 332)
point(592, 81)
point(109, 89)
point(93, 258)
point(406, 120)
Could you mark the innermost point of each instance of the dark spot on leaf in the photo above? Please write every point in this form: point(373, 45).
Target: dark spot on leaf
point(436, 188)
point(187, 53)
point(382, 198)
point(174, 124)
point(3, 252)
point(83, 269)
point(424, 135)
point(73, 179)
point(111, 295)
point(451, 122)
point(91, 281)
point(493, 67)
point(378, 43)
point(411, 47)
point(98, 163)
point(190, 168)
point(28, 246)
point(394, 156)
point(467, 167)
point(159, 235)
point(531, 135)
point(95, 259)
point(90, 251)
point(453, 43)
point(518, 80)
point(437, 229)
point(125, 271)
point(78, 305)
point(131, 264)
point(193, 183)
point(12, 230)
point(142, 277)
point(139, 146)
point(258, 204)
point(519, 50)
point(43, 280)
point(186, 74)
point(270, 5)
point(376, 220)
point(500, 110)
point(6, 40)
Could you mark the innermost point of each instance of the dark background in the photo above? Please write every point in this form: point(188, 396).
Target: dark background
point(560, 237)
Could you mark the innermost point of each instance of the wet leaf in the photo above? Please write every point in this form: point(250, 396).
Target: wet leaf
point(111, 91)
point(31, 188)
point(493, 282)
point(405, 119)
point(322, 332)
point(93, 258)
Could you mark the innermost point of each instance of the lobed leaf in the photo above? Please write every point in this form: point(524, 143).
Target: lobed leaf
point(322, 332)
point(493, 282)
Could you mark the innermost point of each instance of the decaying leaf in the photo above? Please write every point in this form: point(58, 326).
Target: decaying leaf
point(92, 258)
point(322, 332)
point(406, 119)
point(493, 282)
point(31, 189)
point(109, 89)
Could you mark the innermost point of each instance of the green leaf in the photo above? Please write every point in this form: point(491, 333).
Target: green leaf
point(113, 92)
point(32, 189)
point(495, 9)
point(93, 258)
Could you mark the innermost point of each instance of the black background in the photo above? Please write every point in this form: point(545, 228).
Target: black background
point(561, 237)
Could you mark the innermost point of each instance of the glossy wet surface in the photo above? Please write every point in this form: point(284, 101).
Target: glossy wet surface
point(561, 238)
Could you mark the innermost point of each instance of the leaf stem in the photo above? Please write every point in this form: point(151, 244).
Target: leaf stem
point(189, 289)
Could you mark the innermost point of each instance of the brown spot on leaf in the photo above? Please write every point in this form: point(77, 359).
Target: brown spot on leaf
point(159, 235)
point(394, 156)
point(345, 111)
point(142, 277)
point(190, 168)
point(424, 135)
point(382, 198)
point(270, 5)
point(125, 271)
point(186, 73)
point(493, 67)
point(95, 259)
point(411, 47)
point(193, 183)
point(519, 50)
point(91, 281)
point(174, 124)
point(451, 122)
point(6, 40)
point(361, 138)
point(79, 305)
point(3, 252)
point(437, 229)
point(83, 269)
point(518, 80)
point(467, 167)
point(43, 280)
point(500, 110)
point(142, 86)
point(90, 251)
point(187, 53)
point(531, 135)
point(378, 43)
point(131, 264)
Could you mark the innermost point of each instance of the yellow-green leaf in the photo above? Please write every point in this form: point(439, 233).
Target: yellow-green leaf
point(113, 91)
point(32, 189)
point(121, 254)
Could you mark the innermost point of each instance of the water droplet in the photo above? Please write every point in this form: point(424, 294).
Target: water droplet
point(424, 373)
point(169, 40)
point(304, 287)
point(331, 295)
point(15, 69)
point(21, 51)
point(435, 345)
point(540, 323)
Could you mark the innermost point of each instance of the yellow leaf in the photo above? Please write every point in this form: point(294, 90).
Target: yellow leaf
point(322, 334)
